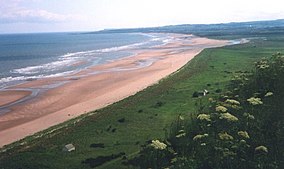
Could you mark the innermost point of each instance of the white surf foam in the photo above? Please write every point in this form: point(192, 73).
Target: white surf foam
point(4, 81)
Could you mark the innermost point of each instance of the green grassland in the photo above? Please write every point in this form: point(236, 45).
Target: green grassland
point(127, 125)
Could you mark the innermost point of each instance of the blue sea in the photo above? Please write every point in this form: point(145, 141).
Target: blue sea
point(31, 56)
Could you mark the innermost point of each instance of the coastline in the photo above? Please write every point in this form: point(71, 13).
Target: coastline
point(88, 91)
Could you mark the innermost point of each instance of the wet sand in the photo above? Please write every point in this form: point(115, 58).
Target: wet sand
point(96, 87)
point(7, 97)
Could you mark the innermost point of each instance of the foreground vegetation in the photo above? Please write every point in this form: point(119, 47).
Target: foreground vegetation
point(115, 136)
point(241, 128)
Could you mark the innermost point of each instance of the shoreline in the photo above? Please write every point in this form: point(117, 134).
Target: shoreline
point(92, 90)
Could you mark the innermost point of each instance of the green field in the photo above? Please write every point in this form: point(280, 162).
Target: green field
point(127, 125)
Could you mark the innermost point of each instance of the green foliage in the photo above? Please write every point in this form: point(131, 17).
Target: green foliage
point(95, 162)
point(215, 138)
point(152, 157)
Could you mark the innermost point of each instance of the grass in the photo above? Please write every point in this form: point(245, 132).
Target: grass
point(242, 128)
point(147, 115)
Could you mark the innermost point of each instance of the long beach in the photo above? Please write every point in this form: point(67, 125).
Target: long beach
point(87, 91)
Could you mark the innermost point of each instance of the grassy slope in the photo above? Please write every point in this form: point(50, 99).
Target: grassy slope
point(232, 30)
point(159, 105)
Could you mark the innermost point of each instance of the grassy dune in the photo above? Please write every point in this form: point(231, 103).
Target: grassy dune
point(127, 125)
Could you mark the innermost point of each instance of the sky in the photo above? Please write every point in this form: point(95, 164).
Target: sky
point(26, 16)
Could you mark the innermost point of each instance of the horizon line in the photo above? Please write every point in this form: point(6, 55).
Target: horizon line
point(146, 27)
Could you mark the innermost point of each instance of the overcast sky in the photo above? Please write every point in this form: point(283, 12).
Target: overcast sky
point(89, 15)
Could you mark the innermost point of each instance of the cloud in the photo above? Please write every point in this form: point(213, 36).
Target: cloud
point(12, 11)
point(31, 16)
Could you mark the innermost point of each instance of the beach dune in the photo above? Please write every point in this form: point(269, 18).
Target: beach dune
point(87, 91)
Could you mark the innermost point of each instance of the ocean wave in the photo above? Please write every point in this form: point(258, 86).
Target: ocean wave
point(149, 35)
point(48, 67)
point(10, 79)
point(61, 63)
point(61, 74)
point(167, 40)
point(69, 59)
point(119, 48)
point(156, 39)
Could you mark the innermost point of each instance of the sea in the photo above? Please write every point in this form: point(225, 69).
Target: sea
point(25, 57)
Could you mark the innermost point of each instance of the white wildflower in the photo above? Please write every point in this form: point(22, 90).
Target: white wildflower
point(225, 136)
point(243, 134)
point(251, 117)
point(204, 117)
point(221, 109)
point(180, 135)
point(243, 142)
point(231, 101)
point(199, 136)
point(268, 94)
point(264, 66)
point(181, 131)
point(158, 145)
point(228, 117)
point(261, 149)
point(254, 101)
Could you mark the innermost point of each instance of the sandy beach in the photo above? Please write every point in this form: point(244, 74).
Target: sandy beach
point(63, 98)
point(7, 97)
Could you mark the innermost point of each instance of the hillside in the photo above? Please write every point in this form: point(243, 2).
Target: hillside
point(220, 31)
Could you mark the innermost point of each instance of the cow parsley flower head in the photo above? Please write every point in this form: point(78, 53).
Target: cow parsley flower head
point(229, 117)
point(264, 66)
point(156, 144)
point(181, 117)
point(225, 97)
point(268, 94)
point(180, 135)
point(199, 136)
point(221, 109)
point(235, 107)
point(243, 134)
point(255, 101)
point(231, 101)
point(261, 149)
point(243, 142)
point(251, 117)
point(205, 117)
point(225, 136)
